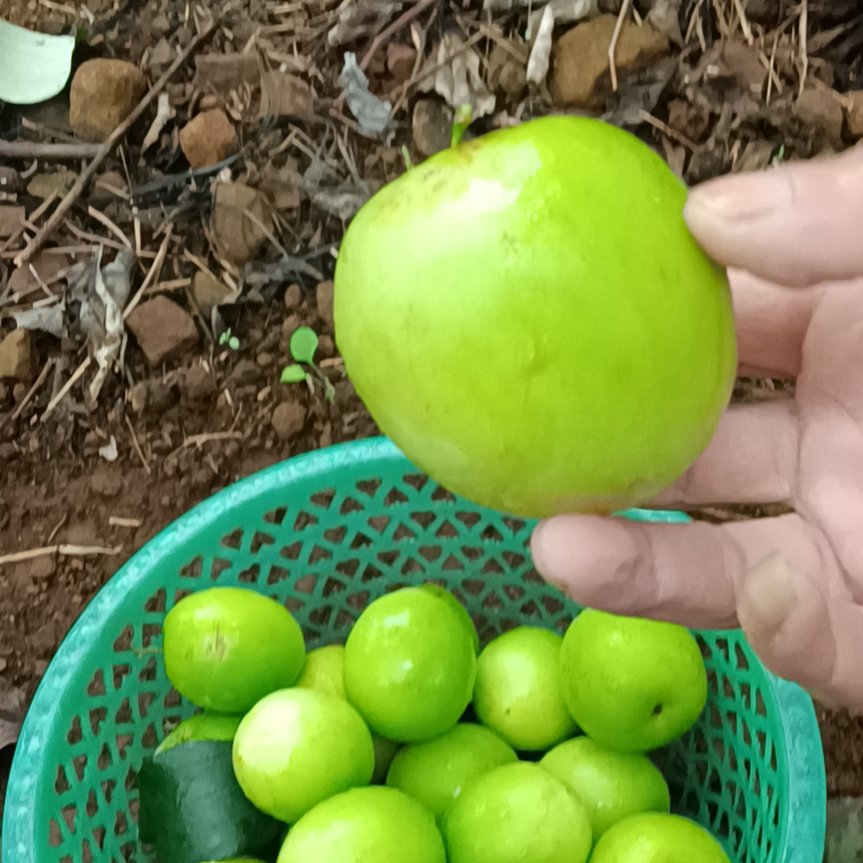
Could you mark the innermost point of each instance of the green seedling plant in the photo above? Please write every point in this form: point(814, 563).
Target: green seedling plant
point(227, 338)
point(303, 347)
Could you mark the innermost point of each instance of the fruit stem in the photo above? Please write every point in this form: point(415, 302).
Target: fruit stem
point(463, 118)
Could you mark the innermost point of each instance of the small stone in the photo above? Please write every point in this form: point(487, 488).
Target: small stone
point(238, 237)
point(47, 267)
point(290, 324)
point(11, 220)
point(221, 73)
point(4, 392)
point(160, 395)
point(138, 397)
point(51, 183)
point(505, 73)
point(103, 94)
point(208, 138)
point(324, 298)
point(430, 125)
point(208, 102)
point(105, 481)
point(284, 95)
point(400, 60)
point(245, 372)
point(283, 186)
point(18, 392)
point(160, 25)
point(107, 187)
point(17, 356)
point(208, 291)
point(820, 106)
point(288, 419)
point(264, 359)
point(326, 346)
point(854, 113)
point(161, 56)
point(163, 329)
point(293, 296)
point(43, 567)
point(10, 180)
point(197, 383)
point(580, 74)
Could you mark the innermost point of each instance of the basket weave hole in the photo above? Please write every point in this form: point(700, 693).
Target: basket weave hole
point(233, 540)
point(277, 574)
point(97, 716)
point(446, 530)
point(92, 806)
point(156, 603)
point(61, 783)
point(337, 535)
point(219, 566)
point(403, 532)
point(369, 487)
point(412, 566)
point(276, 516)
point(416, 481)
point(349, 505)
point(55, 834)
point(124, 640)
point(250, 574)
point(150, 632)
point(74, 734)
point(292, 551)
point(193, 569)
point(394, 497)
point(452, 564)
point(99, 834)
point(147, 674)
point(96, 686)
point(319, 553)
point(145, 700)
point(259, 540)
point(324, 498)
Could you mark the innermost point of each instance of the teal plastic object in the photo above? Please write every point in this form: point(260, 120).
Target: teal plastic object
point(325, 533)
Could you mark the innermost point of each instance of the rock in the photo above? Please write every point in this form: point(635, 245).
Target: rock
point(245, 372)
point(505, 72)
point(400, 60)
point(11, 220)
point(293, 296)
point(53, 183)
point(105, 481)
point(854, 113)
point(284, 95)
point(730, 59)
point(197, 384)
point(10, 180)
point(47, 267)
point(208, 138)
point(324, 298)
point(106, 186)
point(163, 329)
point(238, 237)
point(208, 291)
point(160, 25)
point(103, 94)
point(326, 346)
point(138, 396)
point(431, 126)
point(221, 73)
point(283, 186)
point(208, 102)
point(161, 55)
point(43, 567)
point(820, 106)
point(288, 419)
point(17, 356)
point(18, 392)
point(264, 359)
point(580, 74)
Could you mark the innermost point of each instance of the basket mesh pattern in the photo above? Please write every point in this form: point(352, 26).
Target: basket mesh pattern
point(325, 546)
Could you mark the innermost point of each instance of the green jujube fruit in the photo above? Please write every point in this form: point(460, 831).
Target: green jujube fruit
point(528, 318)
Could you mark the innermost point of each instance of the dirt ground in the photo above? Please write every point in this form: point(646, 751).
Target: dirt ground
point(718, 86)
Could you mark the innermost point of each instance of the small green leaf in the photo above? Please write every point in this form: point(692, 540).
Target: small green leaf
point(304, 343)
point(225, 336)
point(34, 67)
point(233, 343)
point(293, 374)
point(329, 391)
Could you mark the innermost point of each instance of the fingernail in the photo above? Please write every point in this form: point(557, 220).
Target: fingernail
point(740, 197)
point(770, 591)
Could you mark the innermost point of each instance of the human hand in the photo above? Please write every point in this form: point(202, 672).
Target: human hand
point(794, 583)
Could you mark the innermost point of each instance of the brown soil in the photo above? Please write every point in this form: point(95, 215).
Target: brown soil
point(192, 425)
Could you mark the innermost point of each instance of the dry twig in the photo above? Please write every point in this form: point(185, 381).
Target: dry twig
point(615, 37)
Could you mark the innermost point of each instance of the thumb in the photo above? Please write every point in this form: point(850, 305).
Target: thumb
point(798, 224)
point(803, 635)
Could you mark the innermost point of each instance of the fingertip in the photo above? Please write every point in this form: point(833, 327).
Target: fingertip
point(583, 554)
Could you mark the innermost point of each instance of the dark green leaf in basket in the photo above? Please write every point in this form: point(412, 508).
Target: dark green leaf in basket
point(192, 808)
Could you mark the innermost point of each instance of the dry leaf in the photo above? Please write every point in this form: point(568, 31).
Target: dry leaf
point(457, 76)
point(360, 18)
point(372, 113)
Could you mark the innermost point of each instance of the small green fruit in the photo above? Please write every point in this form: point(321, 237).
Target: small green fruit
point(366, 825)
point(442, 593)
point(658, 838)
point(528, 318)
point(435, 771)
point(410, 665)
point(518, 690)
point(612, 785)
point(517, 813)
point(324, 671)
point(297, 747)
point(632, 684)
point(227, 647)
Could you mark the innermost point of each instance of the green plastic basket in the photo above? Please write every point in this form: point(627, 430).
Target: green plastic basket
point(326, 533)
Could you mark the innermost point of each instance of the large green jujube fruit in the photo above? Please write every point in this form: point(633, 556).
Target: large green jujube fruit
point(528, 318)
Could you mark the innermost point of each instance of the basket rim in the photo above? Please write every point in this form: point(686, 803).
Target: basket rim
point(804, 800)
